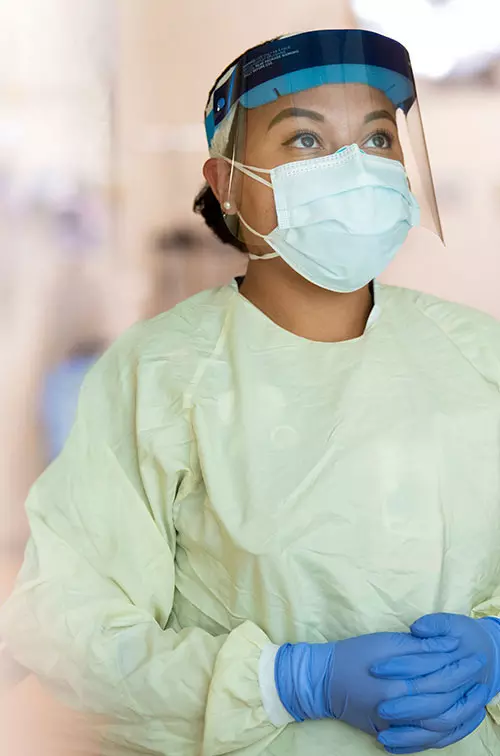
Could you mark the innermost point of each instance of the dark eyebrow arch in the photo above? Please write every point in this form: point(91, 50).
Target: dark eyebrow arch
point(296, 113)
point(376, 115)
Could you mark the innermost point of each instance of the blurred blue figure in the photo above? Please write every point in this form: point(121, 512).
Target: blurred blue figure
point(60, 399)
point(79, 230)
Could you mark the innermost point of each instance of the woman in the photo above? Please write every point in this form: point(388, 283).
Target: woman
point(268, 485)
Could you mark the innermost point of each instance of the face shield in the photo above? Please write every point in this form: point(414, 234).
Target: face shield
point(307, 97)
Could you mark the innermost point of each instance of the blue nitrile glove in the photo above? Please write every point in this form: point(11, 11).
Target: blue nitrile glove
point(479, 641)
point(406, 740)
point(479, 637)
point(333, 680)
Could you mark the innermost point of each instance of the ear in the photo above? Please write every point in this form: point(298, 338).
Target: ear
point(218, 175)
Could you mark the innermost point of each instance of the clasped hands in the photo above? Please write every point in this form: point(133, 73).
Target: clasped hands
point(413, 691)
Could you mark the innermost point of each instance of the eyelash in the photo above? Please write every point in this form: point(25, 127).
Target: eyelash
point(298, 134)
point(388, 135)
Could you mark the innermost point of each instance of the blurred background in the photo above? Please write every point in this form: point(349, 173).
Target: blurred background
point(101, 149)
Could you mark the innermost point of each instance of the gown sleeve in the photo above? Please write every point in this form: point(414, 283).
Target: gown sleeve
point(490, 608)
point(90, 613)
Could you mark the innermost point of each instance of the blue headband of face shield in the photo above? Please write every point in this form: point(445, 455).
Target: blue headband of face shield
point(303, 61)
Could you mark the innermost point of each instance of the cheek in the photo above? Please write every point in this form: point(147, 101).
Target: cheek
point(256, 205)
point(397, 152)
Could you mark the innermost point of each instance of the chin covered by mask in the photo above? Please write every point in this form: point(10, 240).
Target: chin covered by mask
point(341, 218)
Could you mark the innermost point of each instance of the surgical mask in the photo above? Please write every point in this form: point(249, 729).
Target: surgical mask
point(341, 218)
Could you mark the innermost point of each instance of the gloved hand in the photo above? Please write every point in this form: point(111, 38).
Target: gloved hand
point(333, 680)
point(478, 640)
point(455, 724)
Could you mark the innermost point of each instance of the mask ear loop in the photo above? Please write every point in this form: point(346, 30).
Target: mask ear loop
point(248, 171)
point(270, 255)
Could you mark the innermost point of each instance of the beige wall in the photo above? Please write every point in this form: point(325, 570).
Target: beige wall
point(461, 124)
point(55, 87)
point(169, 58)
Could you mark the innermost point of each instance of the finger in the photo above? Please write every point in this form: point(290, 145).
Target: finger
point(407, 750)
point(452, 671)
point(465, 671)
point(432, 625)
point(422, 707)
point(438, 645)
point(410, 666)
point(408, 737)
point(406, 644)
point(461, 732)
point(466, 709)
point(401, 740)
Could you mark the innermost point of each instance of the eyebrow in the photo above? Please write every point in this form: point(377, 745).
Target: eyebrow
point(377, 115)
point(296, 113)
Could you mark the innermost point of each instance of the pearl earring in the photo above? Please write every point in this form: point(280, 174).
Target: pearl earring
point(227, 205)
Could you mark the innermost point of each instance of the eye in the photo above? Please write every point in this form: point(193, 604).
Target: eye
point(307, 140)
point(381, 140)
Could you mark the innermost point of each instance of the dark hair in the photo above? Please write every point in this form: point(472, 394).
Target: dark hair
point(207, 205)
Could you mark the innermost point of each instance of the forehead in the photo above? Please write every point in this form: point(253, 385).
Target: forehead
point(335, 102)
